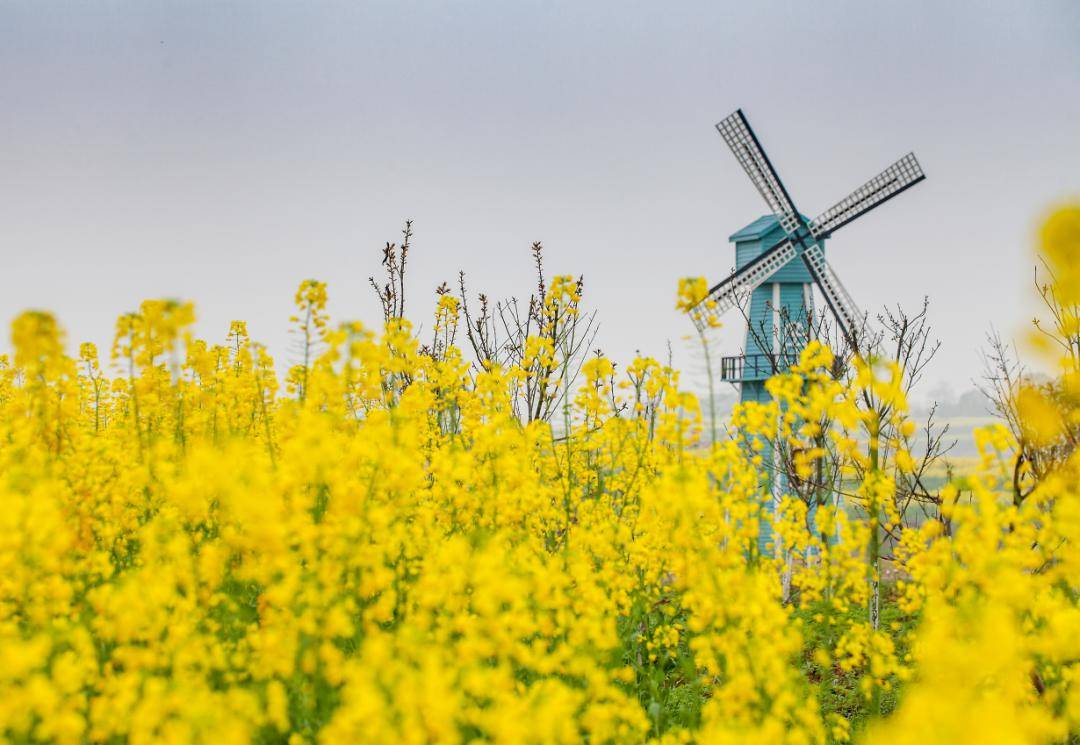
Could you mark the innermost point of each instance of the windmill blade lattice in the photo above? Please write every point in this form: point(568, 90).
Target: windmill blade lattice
point(731, 291)
point(748, 151)
point(845, 310)
point(901, 175)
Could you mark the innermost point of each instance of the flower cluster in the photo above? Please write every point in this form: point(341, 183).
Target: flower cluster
point(384, 550)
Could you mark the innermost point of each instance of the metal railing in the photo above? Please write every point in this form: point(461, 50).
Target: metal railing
point(755, 366)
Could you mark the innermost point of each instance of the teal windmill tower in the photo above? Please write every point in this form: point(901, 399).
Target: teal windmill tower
point(777, 312)
point(779, 259)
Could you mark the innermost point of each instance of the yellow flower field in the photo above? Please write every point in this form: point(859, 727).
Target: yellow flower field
point(389, 548)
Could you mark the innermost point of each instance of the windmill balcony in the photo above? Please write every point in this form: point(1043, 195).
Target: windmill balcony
point(755, 366)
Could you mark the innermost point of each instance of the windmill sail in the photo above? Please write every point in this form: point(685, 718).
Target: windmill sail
point(901, 175)
point(845, 310)
point(741, 139)
point(731, 291)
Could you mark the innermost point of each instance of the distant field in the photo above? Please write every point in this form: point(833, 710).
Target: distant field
point(962, 430)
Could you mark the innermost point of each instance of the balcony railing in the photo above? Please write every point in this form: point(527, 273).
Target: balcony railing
point(755, 366)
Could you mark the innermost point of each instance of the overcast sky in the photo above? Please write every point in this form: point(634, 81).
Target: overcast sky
point(222, 152)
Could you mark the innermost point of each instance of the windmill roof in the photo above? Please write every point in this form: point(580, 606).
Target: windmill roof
point(756, 229)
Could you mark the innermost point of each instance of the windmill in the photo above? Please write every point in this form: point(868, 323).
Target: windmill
point(780, 257)
point(778, 260)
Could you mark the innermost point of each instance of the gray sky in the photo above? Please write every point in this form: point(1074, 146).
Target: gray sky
point(222, 152)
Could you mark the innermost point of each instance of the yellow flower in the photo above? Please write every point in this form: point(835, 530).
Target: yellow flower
point(388, 549)
point(1039, 417)
point(692, 291)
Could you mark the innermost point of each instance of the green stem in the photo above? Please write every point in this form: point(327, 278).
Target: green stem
point(712, 392)
point(875, 554)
